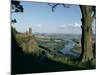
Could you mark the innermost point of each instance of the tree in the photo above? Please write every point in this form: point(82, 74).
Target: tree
point(88, 14)
point(16, 7)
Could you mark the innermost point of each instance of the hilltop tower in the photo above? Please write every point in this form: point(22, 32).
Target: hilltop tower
point(30, 31)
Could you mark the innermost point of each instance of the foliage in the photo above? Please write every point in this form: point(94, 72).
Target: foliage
point(52, 44)
point(88, 15)
point(28, 44)
point(14, 31)
point(16, 7)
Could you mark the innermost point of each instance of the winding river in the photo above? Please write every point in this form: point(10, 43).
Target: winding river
point(68, 47)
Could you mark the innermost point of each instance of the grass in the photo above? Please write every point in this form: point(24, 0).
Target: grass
point(64, 60)
point(29, 63)
point(52, 45)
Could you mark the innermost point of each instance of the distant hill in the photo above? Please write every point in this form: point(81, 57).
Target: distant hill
point(58, 36)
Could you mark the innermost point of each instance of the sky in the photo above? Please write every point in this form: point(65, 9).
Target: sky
point(40, 18)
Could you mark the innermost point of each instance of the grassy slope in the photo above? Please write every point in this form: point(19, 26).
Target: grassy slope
point(27, 63)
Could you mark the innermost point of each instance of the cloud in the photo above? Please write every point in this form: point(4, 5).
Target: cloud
point(74, 25)
point(77, 25)
point(63, 26)
point(39, 25)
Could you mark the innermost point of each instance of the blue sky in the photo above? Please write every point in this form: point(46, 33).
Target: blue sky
point(40, 17)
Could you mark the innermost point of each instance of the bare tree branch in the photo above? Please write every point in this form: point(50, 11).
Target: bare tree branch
point(54, 5)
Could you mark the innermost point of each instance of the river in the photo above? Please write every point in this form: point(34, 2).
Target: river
point(68, 47)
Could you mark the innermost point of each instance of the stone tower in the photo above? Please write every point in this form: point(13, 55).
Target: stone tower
point(30, 31)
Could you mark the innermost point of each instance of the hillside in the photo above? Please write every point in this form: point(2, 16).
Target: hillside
point(29, 57)
point(28, 44)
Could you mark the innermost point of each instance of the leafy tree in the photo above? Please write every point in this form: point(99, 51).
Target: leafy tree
point(16, 8)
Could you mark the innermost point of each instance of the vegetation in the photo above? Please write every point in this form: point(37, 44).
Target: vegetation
point(16, 8)
point(52, 44)
point(29, 63)
point(28, 44)
point(40, 59)
point(88, 15)
point(30, 55)
point(14, 31)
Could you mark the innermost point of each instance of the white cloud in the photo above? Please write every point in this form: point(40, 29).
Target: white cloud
point(63, 26)
point(77, 25)
point(39, 25)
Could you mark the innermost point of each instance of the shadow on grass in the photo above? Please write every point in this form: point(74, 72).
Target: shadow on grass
point(24, 63)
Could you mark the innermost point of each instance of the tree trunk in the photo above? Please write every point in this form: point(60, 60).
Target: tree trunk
point(86, 39)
